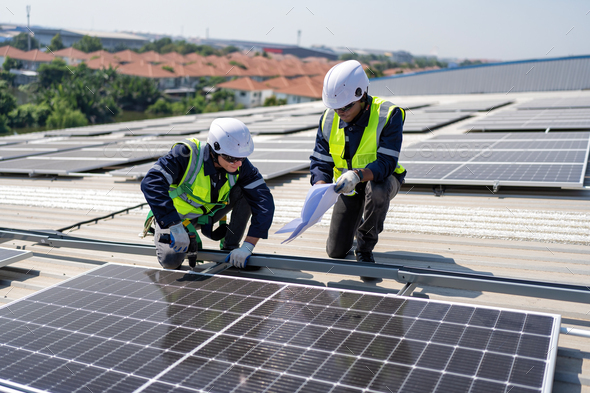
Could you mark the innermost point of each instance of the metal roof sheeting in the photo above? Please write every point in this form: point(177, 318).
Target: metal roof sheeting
point(572, 73)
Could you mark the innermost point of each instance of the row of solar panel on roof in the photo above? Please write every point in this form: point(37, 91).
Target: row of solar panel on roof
point(557, 103)
point(469, 106)
point(221, 334)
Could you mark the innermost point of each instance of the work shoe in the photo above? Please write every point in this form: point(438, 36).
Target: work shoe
point(364, 256)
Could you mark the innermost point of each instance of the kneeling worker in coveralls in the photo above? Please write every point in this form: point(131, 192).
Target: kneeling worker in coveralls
point(357, 146)
point(196, 184)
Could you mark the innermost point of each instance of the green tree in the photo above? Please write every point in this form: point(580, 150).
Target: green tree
point(64, 116)
point(134, 93)
point(10, 63)
point(88, 44)
point(7, 105)
point(54, 73)
point(160, 107)
point(273, 101)
point(56, 43)
point(230, 49)
point(21, 42)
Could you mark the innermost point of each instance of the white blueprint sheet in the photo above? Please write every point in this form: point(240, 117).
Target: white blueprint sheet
point(319, 199)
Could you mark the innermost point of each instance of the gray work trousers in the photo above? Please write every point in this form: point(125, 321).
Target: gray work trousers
point(361, 215)
point(170, 259)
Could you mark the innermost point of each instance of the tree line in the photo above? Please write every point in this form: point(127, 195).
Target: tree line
point(72, 96)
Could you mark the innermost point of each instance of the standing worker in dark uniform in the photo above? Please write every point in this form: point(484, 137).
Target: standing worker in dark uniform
point(357, 146)
point(196, 184)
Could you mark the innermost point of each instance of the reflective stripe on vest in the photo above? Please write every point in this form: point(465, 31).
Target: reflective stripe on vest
point(367, 150)
point(192, 197)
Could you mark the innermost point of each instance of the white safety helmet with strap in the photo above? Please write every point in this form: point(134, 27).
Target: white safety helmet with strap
point(344, 83)
point(231, 137)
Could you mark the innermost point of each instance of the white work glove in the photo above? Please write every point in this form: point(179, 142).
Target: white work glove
point(239, 256)
point(346, 183)
point(179, 240)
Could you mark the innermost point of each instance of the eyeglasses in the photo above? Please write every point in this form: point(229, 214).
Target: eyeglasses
point(231, 159)
point(347, 107)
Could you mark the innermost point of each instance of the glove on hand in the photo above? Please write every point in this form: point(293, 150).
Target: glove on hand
point(179, 240)
point(346, 183)
point(239, 256)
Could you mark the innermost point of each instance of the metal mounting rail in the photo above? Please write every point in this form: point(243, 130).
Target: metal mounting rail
point(403, 274)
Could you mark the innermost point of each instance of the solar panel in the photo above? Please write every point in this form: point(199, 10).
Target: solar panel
point(10, 255)
point(272, 157)
point(123, 328)
point(556, 103)
point(420, 121)
point(37, 147)
point(469, 106)
point(86, 159)
point(514, 159)
point(533, 120)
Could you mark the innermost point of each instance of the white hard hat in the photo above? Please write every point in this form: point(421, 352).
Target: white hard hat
point(344, 83)
point(231, 137)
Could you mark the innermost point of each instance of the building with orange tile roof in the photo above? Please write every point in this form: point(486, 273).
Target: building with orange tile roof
point(304, 89)
point(145, 69)
point(127, 56)
point(277, 83)
point(102, 62)
point(12, 52)
point(33, 59)
point(247, 91)
point(153, 57)
point(175, 57)
point(71, 55)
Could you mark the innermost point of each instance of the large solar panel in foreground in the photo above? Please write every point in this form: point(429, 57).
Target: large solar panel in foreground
point(129, 329)
point(511, 159)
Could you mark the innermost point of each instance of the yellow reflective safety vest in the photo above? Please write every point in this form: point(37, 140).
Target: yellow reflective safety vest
point(192, 196)
point(369, 146)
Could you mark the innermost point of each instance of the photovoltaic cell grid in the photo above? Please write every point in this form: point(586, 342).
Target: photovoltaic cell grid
point(469, 106)
point(88, 158)
point(123, 329)
point(557, 103)
point(533, 120)
point(420, 121)
point(513, 159)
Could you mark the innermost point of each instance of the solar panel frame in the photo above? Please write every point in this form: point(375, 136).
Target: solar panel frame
point(470, 106)
point(99, 339)
point(10, 255)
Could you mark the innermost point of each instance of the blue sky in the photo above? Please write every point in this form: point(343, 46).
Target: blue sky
point(499, 30)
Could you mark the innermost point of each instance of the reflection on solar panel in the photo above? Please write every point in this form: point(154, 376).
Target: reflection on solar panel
point(469, 106)
point(420, 121)
point(44, 147)
point(533, 120)
point(272, 158)
point(556, 103)
point(9, 255)
point(124, 328)
point(512, 159)
point(63, 163)
point(285, 124)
